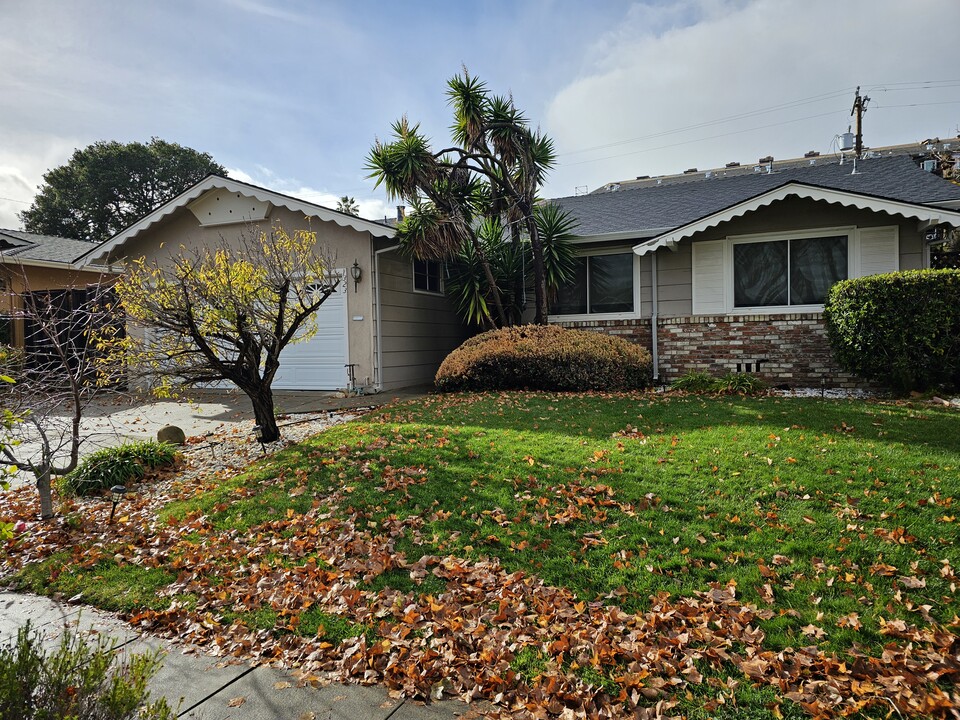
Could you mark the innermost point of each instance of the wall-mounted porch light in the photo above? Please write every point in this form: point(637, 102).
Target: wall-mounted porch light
point(355, 273)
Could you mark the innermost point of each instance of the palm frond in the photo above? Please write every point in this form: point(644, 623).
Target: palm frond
point(556, 227)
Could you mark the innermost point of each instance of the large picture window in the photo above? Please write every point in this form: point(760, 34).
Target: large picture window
point(797, 271)
point(601, 284)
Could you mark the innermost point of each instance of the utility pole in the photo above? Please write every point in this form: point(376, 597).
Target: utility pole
point(859, 108)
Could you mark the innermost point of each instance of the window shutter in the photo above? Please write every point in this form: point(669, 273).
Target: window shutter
point(709, 275)
point(879, 250)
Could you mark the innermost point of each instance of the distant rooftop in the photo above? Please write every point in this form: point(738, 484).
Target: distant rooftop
point(769, 163)
point(25, 246)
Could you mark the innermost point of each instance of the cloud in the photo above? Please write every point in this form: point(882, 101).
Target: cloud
point(22, 166)
point(370, 208)
point(266, 9)
point(652, 88)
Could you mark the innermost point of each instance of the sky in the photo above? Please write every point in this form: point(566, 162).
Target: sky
point(291, 94)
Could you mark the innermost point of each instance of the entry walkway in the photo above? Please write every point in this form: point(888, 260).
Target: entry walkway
point(208, 688)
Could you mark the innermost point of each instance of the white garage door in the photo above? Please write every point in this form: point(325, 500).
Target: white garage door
point(320, 362)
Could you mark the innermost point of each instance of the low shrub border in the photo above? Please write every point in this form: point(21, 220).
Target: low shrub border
point(733, 383)
point(117, 466)
point(545, 357)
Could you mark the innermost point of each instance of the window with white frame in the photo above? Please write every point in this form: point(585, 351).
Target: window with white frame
point(601, 284)
point(428, 276)
point(783, 273)
point(786, 272)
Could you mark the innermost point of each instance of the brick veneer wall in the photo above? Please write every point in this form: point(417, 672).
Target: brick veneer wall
point(794, 347)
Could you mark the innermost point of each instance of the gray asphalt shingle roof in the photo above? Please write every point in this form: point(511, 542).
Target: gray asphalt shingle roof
point(47, 248)
point(663, 207)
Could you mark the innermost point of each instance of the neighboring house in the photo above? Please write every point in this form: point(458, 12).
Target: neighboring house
point(392, 328)
point(38, 263)
point(719, 274)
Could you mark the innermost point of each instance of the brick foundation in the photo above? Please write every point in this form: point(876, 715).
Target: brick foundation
point(791, 349)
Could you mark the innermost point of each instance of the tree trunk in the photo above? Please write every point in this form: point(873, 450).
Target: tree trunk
point(43, 487)
point(520, 281)
point(539, 274)
point(263, 413)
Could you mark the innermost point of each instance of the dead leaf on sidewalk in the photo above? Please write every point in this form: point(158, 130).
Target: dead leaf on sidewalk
point(307, 716)
point(282, 685)
point(237, 701)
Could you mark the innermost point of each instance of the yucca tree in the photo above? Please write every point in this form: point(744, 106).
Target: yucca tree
point(494, 145)
point(510, 265)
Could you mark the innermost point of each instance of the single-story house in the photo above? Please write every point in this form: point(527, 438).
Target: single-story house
point(389, 329)
point(729, 273)
point(39, 263)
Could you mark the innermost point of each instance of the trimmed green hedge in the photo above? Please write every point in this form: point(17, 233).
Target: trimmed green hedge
point(900, 329)
point(545, 357)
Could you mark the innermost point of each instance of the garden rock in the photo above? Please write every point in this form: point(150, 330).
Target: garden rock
point(171, 434)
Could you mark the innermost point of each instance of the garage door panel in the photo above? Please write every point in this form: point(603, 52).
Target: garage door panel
point(320, 362)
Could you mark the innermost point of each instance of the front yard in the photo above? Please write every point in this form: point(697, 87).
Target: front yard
point(625, 554)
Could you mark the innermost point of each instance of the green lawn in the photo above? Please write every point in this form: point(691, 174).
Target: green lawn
point(830, 521)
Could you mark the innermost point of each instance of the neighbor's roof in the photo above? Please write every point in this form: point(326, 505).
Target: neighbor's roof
point(652, 211)
point(26, 247)
point(213, 182)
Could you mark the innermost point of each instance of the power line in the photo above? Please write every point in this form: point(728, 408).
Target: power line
point(710, 137)
point(718, 121)
point(882, 87)
point(25, 202)
point(946, 102)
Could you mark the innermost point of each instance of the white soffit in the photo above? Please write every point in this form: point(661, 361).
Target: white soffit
point(223, 207)
point(250, 193)
point(927, 215)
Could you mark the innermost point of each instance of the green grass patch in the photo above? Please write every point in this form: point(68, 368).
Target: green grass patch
point(333, 629)
point(399, 579)
point(107, 585)
point(529, 663)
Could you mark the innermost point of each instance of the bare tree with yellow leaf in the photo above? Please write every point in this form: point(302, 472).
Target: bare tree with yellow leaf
point(225, 313)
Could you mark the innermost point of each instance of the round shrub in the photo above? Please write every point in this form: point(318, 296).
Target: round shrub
point(900, 329)
point(545, 357)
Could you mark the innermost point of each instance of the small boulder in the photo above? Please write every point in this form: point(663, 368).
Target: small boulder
point(171, 434)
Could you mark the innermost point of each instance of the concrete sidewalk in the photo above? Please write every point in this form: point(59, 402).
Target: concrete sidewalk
point(209, 688)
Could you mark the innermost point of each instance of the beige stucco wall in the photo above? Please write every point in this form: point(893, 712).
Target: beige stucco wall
point(182, 232)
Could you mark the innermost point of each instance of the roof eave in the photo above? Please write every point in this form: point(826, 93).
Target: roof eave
point(929, 215)
point(53, 264)
point(615, 236)
point(101, 252)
